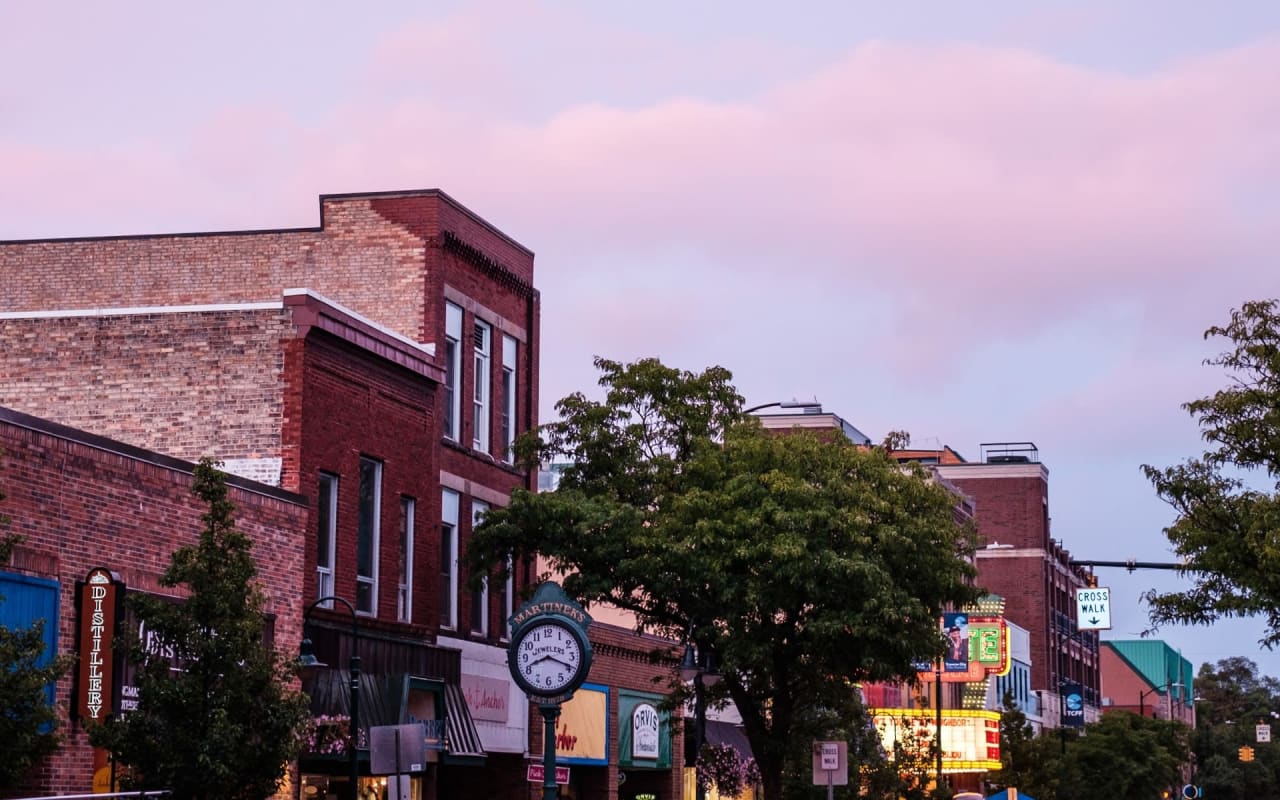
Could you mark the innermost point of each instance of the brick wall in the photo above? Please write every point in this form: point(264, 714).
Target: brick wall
point(352, 407)
point(82, 502)
point(355, 258)
point(185, 384)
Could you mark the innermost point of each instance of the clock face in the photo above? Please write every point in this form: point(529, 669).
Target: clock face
point(548, 658)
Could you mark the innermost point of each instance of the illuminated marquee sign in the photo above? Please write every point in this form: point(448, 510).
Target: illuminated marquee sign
point(970, 739)
point(98, 597)
point(988, 651)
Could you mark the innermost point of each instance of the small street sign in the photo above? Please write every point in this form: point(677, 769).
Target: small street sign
point(1093, 608)
point(1262, 733)
point(535, 774)
point(830, 764)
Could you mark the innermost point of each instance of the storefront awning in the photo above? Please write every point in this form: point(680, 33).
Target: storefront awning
point(460, 730)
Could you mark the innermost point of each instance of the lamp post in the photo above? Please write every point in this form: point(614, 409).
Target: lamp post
point(1168, 692)
point(697, 668)
point(809, 406)
point(307, 659)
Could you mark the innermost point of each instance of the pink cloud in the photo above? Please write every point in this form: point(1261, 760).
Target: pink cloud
point(954, 178)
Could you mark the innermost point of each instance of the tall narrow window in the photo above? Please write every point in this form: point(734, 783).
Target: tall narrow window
point(448, 559)
point(508, 397)
point(479, 597)
point(404, 598)
point(367, 541)
point(481, 336)
point(452, 371)
point(508, 599)
point(326, 535)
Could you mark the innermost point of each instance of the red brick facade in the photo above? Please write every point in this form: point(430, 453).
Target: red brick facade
point(1019, 561)
point(82, 501)
point(289, 355)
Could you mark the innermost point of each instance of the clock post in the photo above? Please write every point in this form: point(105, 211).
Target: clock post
point(549, 658)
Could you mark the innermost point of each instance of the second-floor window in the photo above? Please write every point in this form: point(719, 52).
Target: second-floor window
point(508, 397)
point(452, 371)
point(326, 535)
point(404, 597)
point(482, 336)
point(448, 559)
point(370, 514)
point(479, 597)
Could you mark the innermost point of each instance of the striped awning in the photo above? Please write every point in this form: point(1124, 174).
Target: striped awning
point(463, 738)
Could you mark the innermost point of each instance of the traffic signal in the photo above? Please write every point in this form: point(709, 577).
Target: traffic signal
point(1092, 580)
point(1246, 753)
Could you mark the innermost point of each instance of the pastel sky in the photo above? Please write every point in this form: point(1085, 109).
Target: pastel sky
point(979, 222)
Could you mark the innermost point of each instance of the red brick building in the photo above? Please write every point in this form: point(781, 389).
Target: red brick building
point(1021, 562)
point(377, 367)
point(82, 501)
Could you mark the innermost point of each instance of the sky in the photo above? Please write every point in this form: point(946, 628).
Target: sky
point(977, 222)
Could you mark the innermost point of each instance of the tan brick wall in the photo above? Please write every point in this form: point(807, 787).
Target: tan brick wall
point(185, 384)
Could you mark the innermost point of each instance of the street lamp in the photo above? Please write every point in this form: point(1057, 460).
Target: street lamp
point(807, 406)
point(1168, 691)
point(307, 660)
point(697, 667)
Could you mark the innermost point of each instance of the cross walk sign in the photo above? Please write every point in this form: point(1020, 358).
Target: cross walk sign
point(1093, 608)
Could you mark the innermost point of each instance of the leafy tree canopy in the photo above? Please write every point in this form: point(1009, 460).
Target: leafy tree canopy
point(1228, 525)
point(1233, 698)
point(799, 563)
point(226, 724)
point(1122, 755)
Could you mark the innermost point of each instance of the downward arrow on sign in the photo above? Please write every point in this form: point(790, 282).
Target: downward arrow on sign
point(1093, 621)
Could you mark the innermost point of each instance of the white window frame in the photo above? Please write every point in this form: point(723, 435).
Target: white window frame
point(508, 397)
point(452, 424)
point(482, 390)
point(325, 572)
point(370, 580)
point(449, 501)
point(508, 599)
point(479, 597)
point(404, 597)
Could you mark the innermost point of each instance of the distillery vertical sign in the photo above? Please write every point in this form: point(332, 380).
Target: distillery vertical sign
point(99, 595)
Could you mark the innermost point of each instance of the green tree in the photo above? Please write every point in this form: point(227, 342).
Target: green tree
point(798, 564)
point(1128, 756)
point(226, 724)
point(1227, 529)
point(28, 722)
point(1032, 764)
point(1232, 699)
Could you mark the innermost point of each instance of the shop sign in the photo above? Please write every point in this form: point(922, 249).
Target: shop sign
point(582, 730)
point(988, 651)
point(970, 738)
point(536, 773)
point(487, 698)
point(98, 598)
point(645, 728)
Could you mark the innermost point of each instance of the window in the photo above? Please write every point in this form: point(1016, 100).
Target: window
point(479, 597)
point(404, 598)
point(452, 371)
point(326, 535)
point(508, 599)
point(367, 541)
point(508, 397)
point(448, 558)
point(480, 433)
